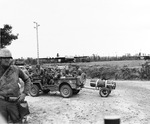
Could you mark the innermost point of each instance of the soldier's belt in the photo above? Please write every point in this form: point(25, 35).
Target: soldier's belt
point(2, 97)
point(9, 99)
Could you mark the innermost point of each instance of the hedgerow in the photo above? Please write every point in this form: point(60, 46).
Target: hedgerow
point(117, 73)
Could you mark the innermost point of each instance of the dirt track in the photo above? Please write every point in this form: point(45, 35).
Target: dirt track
point(130, 101)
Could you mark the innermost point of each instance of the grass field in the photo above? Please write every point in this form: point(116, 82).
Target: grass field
point(129, 63)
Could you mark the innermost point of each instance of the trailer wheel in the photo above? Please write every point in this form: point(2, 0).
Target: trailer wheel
point(34, 90)
point(104, 92)
point(66, 91)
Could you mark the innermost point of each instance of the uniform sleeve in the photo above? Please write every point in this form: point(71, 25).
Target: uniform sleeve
point(27, 81)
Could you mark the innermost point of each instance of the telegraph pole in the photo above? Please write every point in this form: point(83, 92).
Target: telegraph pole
point(0, 38)
point(36, 27)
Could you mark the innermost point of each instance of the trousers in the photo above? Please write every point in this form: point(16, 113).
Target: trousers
point(9, 111)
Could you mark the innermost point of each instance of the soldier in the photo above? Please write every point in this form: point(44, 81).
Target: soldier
point(10, 96)
point(39, 70)
point(79, 71)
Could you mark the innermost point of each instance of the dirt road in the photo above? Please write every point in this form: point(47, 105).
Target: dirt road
point(130, 101)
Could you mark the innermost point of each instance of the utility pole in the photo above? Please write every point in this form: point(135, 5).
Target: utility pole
point(0, 39)
point(36, 27)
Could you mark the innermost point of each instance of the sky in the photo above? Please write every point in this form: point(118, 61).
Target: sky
point(77, 27)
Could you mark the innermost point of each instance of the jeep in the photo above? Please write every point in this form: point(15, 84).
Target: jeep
point(67, 86)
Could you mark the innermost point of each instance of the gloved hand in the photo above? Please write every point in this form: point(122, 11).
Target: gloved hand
point(21, 97)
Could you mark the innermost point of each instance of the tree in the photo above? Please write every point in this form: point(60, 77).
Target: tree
point(6, 36)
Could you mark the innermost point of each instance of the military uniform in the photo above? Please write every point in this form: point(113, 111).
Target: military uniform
point(9, 88)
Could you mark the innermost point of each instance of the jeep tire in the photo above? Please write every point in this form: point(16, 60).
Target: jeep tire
point(66, 91)
point(34, 90)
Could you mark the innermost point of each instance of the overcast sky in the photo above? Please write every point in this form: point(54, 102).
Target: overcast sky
point(78, 27)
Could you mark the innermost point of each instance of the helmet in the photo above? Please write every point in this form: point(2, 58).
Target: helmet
point(5, 53)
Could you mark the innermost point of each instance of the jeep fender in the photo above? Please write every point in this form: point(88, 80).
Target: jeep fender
point(72, 85)
point(38, 83)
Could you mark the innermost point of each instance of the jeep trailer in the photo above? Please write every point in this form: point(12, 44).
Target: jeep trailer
point(104, 86)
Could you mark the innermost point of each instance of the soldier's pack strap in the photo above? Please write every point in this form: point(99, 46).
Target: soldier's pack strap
point(6, 70)
point(4, 73)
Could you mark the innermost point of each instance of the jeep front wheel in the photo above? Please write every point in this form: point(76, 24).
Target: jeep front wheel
point(104, 92)
point(66, 91)
point(34, 90)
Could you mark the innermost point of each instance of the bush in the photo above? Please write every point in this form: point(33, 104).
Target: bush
point(100, 72)
point(112, 72)
point(145, 71)
point(127, 73)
